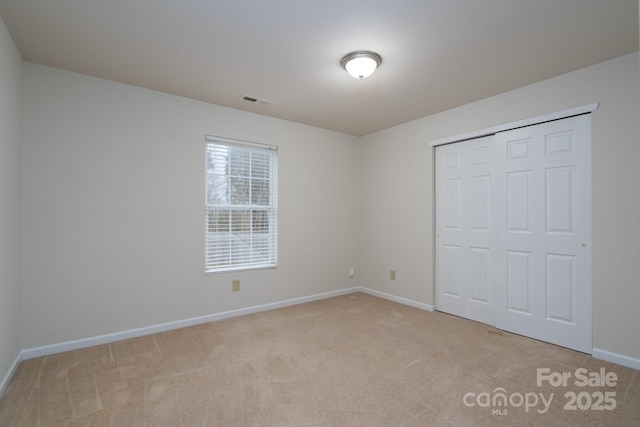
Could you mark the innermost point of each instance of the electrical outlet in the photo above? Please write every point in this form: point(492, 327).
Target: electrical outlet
point(235, 285)
point(392, 275)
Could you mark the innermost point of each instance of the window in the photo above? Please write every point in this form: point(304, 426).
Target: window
point(241, 205)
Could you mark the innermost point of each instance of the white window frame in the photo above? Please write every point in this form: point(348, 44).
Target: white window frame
point(254, 245)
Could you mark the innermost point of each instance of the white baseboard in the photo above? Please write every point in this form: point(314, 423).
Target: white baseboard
point(7, 377)
point(400, 300)
point(31, 353)
point(620, 359)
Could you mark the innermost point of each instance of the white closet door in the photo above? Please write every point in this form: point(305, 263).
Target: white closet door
point(465, 230)
point(544, 267)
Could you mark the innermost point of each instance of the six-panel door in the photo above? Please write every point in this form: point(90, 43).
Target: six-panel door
point(465, 253)
point(513, 231)
point(544, 270)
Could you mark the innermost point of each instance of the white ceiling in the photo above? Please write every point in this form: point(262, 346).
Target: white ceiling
point(436, 54)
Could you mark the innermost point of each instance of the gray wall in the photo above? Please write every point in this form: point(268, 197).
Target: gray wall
point(10, 166)
point(396, 185)
point(114, 208)
point(113, 185)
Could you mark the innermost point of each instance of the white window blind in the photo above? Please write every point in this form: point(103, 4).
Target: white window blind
point(241, 205)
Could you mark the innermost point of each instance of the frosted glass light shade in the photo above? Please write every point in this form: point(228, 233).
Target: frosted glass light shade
point(361, 64)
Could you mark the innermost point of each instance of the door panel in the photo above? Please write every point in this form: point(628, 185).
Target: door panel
point(559, 200)
point(452, 271)
point(465, 224)
point(545, 283)
point(519, 282)
point(479, 274)
point(480, 202)
point(560, 292)
point(519, 201)
point(452, 204)
point(513, 231)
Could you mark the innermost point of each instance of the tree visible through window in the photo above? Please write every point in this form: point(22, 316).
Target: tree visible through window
point(241, 205)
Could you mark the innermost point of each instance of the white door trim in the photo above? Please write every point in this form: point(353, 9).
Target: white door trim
point(520, 123)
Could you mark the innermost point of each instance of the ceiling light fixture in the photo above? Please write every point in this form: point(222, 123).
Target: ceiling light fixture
point(361, 63)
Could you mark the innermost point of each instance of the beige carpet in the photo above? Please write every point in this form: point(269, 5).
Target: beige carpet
point(354, 360)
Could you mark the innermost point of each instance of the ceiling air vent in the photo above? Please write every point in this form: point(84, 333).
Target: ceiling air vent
point(255, 100)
